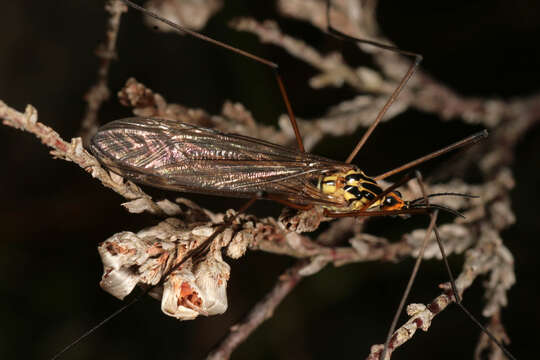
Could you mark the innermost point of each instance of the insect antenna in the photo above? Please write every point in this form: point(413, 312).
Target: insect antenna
point(420, 203)
point(439, 207)
point(412, 202)
point(417, 60)
point(193, 253)
point(271, 64)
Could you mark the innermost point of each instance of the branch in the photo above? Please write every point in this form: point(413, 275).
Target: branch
point(488, 256)
point(106, 52)
point(261, 312)
point(74, 152)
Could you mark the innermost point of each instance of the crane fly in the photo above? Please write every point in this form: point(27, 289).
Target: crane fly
point(183, 157)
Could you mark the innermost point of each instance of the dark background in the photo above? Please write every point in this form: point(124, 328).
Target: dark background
point(53, 214)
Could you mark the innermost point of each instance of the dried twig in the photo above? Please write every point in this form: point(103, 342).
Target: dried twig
point(75, 152)
point(106, 52)
point(262, 311)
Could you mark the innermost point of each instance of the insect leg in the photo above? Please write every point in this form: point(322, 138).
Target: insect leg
point(273, 65)
point(417, 263)
point(458, 299)
point(432, 227)
point(417, 59)
point(405, 295)
point(465, 142)
point(362, 212)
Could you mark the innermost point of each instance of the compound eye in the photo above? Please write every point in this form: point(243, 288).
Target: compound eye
point(389, 201)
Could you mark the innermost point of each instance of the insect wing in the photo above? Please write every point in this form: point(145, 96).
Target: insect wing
point(183, 157)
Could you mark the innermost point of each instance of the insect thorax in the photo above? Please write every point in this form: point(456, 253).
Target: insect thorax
point(354, 187)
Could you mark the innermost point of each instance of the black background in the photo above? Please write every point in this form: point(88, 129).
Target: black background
point(53, 214)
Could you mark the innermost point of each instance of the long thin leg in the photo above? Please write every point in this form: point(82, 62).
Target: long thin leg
point(249, 55)
point(459, 303)
point(194, 253)
point(455, 291)
point(415, 269)
point(432, 227)
point(417, 59)
point(409, 284)
point(467, 141)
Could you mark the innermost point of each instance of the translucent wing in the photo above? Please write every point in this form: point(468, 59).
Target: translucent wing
point(183, 157)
